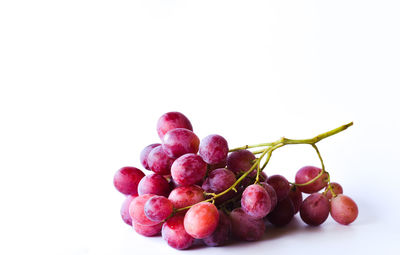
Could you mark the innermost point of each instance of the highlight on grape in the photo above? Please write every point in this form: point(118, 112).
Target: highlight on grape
point(201, 189)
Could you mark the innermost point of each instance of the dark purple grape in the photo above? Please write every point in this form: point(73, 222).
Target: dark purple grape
point(147, 230)
point(308, 173)
point(145, 153)
point(222, 233)
point(174, 233)
point(201, 220)
point(188, 169)
point(172, 120)
point(219, 180)
point(154, 184)
point(256, 201)
point(272, 194)
point(213, 149)
point(180, 141)
point(125, 210)
point(245, 227)
point(216, 166)
point(126, 180)
point(186, 196)
point(282, 214)
point(280, 185)
point(296, 196)
point(159, 162)
point(315, 209)
point(337, 189)
point(158, 208)
point(240, 161)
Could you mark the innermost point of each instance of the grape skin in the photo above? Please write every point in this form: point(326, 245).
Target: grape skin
point(126, 180)
point(147, 230)
point(180, 141)
point(296, 196)
point(245, 227)
point(308, 173)
point(186, 196)
point(174, 233)
point(315, 209)
point(222, 233)
point(213, 149)
point(188, 169)
point(337, 189)
point(240, 161)
point(343, 209)
point(282, 214)
point(158, 208)
point(125, 210)
point(256, 201)
point(280, 185)
point(136, 210)
point(272, 194)
point(201, 220)
point(172, 120)
point(154, 184)
point(219, 180)
point(159, 162)
point(145, 153)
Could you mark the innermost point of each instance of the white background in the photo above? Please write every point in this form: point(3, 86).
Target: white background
point(82, 84)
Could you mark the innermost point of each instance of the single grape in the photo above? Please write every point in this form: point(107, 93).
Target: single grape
point(282, 214)
point(145, 153)
point(308, 173)
point(256, 201)
point(272, 194)
point(154, 184)
point(337, 189)
point(240, 161)
point(136, 210)
point(125, 209)
point(343, 209)
point(186, 196)
point(126, 180)
point(222, 233)
point(219, 180)
point(315, 209)
point(174, 233)
point(180, 141)
point(158, 208)
point(172, 120)
point(296, 196)
point(245, 227)
point(159, 162)
point(280, 185)
point(213, 149)
point(147, 230)
point(201, 220)
point(188, 169)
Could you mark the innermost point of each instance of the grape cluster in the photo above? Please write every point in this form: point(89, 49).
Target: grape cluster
point(198, 190)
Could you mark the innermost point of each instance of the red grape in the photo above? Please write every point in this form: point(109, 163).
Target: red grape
point(126, 180)
point(315, 209)
point(147, 230)
point(186, 196)
point(280, 185)
point(145, 153)
point(188, 169)
point(158, 208)
point(159, 162)
point(174, 233)
point(337, 189)
point(240, 161)
point(306, 174)
point(180, 141)
point(136, 210)
point(296, 196)
point(222, 233)
point(219, 180)
point(272, 194)
point(201, 220)
point(125, 210)
point(154, 184)
point(282, 214)
point(343, 209)
point(256, 201)
point(172, 120)
point(213, 149)
point(246, 227)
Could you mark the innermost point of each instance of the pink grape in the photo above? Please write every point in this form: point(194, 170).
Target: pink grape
point(147, 230)
point(308, 173)
point(213, 149)
point(272, 194)
point(280, 185)
point(240, 161)
point(245, 227)
point(126, 180)
point(136, 210)
point(296, 196)
point(188, 169)
point(158, 208)
point(174, 233)
point(125, 209)
point(222, 233)
point(201, 220)
point(145, 153)
point(219, 180)
point(282, 214)
point(186, 196)
point(180, 141)
point(256, 201)
point(337, 189)
point(172, 120)
point(315, 209)
point(154, 184)
point(343, 209)
point(159, 162)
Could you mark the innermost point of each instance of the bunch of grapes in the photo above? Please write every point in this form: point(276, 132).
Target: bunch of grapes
point(203, 190)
